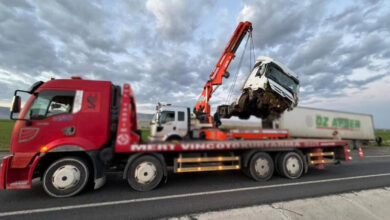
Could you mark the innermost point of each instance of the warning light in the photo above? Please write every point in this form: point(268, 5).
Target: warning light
point(44, 149)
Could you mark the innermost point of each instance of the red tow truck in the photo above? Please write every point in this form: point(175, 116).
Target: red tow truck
point(70, 132)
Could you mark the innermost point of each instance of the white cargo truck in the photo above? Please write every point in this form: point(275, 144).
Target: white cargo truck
point(304, 122)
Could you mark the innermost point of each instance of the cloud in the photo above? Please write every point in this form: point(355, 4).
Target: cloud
point(166, 49)
point(324, 47)
point(314, 49)
point(276, 21)
point(177, 19)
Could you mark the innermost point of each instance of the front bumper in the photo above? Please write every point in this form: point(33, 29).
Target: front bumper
point(155, 138)
point(16, 171)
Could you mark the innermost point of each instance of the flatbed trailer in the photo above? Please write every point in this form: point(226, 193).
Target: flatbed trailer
point(74, 149)
point(200, 156)
point(264, 145)
point(315, 152)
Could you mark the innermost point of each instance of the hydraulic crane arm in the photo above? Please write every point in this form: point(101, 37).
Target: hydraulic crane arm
point(202, 107)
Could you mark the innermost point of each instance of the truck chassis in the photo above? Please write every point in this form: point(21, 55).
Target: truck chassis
point(144, 166)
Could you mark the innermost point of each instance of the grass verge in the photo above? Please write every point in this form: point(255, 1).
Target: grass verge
point(6, 127)
point(384, 134)
point(144, 135)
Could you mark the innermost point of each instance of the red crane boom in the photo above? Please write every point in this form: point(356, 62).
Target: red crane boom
point(202, 107)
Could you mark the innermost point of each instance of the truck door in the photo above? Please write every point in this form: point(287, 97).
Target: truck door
point(182, 123)
point(167, 121)
point(50, 116)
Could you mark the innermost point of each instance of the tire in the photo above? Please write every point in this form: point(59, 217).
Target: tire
point(242, 102)
point(291, 165)
point(261, 166)
point(145, 173)
point(66, 177)
point(276, 162)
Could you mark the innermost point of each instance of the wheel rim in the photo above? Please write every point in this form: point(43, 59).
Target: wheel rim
point(293, 165)
point(66, 177)
point(262, 167)
point(145, 172)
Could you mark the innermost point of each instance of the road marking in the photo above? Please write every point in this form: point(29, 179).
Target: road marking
point(129, 201)
point(378, 156)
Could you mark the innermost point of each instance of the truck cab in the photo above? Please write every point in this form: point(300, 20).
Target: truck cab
point(269, 90)
point(59, 135)
point(170, 123)
point(270, 73)
point(66, 109)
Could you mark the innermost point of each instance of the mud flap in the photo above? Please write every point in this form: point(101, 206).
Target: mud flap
point(3, 170)
point(98, 169)
point(17, 177)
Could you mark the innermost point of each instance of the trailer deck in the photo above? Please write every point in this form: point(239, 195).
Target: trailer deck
point(232, 145)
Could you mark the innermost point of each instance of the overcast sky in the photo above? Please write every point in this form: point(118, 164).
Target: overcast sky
point(167, 49)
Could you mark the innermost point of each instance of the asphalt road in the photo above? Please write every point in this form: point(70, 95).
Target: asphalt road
point(191, 193)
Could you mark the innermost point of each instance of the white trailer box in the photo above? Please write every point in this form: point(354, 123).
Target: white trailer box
point(306, 122)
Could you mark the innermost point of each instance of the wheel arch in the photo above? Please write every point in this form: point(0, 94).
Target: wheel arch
point(246, 156)
point(49, 157)
point(172, 137)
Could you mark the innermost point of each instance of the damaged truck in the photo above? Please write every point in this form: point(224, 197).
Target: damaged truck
point(269, 90)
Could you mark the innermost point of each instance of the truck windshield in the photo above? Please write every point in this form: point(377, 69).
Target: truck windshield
point(166, 116)
point(49, 103)
point(155, 117)
point(282, 79)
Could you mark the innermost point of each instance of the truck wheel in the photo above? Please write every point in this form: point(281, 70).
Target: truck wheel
point(66, 177)
point(145, 173)
point(276, 162)
point(290, 165)
point(261, 166)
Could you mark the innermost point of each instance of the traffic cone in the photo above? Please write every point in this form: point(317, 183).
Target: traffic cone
point(361, 152)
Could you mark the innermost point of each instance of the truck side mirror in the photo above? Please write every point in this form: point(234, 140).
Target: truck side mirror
point(16, 104)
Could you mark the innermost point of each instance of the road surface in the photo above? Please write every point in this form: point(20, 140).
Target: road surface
point(193, 193)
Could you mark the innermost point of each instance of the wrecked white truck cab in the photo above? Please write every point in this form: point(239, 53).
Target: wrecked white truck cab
point(269, 90)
